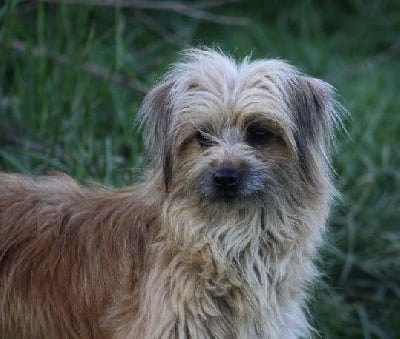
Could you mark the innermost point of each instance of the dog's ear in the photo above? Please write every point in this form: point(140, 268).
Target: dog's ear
point(155, 119)
point(315, 116)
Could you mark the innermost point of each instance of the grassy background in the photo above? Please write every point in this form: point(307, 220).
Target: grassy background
point(72, 77)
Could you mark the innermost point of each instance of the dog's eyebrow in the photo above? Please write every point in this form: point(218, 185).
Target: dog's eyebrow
point(260, 119)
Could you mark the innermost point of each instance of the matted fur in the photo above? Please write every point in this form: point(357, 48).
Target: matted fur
point(177, 256)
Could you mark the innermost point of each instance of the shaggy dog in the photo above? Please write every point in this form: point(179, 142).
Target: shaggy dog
point(217, 241)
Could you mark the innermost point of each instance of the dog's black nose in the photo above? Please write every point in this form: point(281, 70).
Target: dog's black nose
point(226, 178)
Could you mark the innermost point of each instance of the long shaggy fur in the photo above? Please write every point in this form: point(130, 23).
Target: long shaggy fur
point(219, 239)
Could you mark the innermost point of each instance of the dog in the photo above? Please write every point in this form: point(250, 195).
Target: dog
point(217, 241)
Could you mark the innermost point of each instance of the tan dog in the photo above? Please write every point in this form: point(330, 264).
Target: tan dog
point(217, 242)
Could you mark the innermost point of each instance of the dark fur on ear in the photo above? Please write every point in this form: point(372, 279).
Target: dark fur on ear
point(315, 112)
point(155, 116)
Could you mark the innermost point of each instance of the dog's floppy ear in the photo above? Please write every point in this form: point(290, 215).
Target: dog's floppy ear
point(315, 116)
point(155, 118)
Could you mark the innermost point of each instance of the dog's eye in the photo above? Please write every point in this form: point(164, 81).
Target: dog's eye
point(258, 136)
point(203, 140)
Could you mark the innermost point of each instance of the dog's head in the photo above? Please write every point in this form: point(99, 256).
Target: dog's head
point(246, 132)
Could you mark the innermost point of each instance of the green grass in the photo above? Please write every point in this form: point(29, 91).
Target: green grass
point(72, 77)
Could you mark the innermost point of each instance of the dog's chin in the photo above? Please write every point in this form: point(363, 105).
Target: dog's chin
point(230, 199)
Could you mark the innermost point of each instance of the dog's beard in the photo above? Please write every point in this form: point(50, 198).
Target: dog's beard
point(262, 209)
point(226, 225)
point(229, 218)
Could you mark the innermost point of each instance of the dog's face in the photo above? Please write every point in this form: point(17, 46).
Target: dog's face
point(230, 155)
point(224, 132)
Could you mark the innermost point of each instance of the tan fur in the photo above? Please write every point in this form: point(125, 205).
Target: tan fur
point(184, 254)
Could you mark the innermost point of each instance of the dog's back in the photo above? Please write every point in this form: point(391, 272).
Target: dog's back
point(64, 254)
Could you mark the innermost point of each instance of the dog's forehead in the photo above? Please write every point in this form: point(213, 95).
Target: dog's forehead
point(233, 95)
